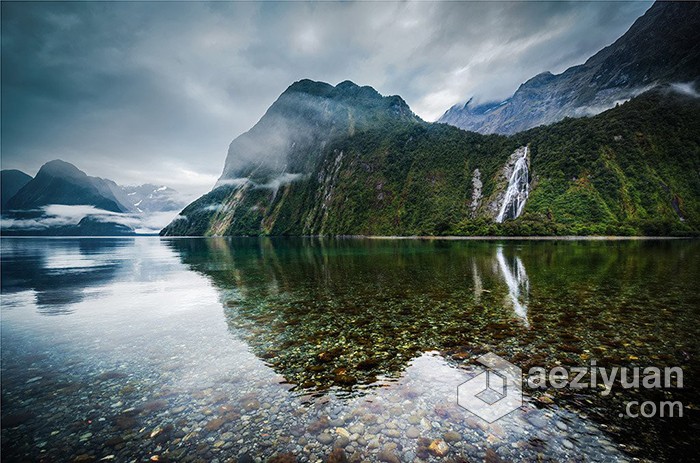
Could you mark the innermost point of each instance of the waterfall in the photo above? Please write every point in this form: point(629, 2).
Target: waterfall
point(517, 191)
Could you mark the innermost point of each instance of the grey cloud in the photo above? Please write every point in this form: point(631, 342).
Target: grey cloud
point(154, 92)
point(274, 184)
point(685, 88)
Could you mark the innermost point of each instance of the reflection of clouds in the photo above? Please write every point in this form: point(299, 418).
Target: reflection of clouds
point(518, 283)
point(62, 260)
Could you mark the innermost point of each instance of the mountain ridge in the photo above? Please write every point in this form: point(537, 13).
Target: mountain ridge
point(661, 47)
point(59, 182)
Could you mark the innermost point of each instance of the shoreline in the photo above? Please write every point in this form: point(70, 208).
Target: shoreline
point(531, 238)
point(389, 237)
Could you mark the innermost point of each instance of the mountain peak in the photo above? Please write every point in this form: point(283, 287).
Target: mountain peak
point(347, 84)
point(11, 181)
point(60, 168)
point(346, 89)
point(60, 182)
point(540, 79)
point(310, 87)
point(302, 122)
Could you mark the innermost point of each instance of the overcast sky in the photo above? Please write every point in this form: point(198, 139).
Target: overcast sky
point(154, 91)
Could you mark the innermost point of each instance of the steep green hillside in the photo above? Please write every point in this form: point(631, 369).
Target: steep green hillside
point(634, 169)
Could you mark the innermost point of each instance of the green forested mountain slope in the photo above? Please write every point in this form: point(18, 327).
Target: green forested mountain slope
point(634, 169)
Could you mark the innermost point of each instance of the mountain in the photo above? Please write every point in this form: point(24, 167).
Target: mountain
point(661, 47)
point(152, 198)
point(360, 168)
point(285, 147)
point(11, 181)
point(305, 118)
point(59, 182)
point(63, 200)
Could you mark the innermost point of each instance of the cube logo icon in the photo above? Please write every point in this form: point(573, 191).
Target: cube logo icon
point(493, 393)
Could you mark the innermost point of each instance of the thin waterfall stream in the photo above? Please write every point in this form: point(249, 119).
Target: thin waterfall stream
point(518, 188)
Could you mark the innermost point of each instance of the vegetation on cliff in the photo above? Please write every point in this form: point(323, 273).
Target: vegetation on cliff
point(634, 169)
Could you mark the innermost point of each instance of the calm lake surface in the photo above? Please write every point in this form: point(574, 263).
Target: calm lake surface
point(215, 349)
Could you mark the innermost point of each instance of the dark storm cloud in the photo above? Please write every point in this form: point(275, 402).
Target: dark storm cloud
point(154, 91)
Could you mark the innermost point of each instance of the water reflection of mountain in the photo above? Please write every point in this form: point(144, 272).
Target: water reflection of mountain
point(58, 270)
point(346, 312)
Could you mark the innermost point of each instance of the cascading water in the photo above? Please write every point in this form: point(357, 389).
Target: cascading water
point(518, 188)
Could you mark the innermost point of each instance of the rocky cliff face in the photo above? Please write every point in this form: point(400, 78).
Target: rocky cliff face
point(661, 47)
point(300, 124)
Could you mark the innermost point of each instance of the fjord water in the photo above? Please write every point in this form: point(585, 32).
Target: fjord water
point(216, 349)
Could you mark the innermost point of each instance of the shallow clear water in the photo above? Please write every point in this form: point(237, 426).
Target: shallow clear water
point(219, 349)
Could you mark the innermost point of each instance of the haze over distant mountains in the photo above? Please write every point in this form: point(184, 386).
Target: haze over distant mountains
point(661, 47)
point(62, 199)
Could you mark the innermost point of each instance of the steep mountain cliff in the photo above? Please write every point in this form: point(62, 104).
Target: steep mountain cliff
point(305, 118)
point(631, 170)
point(661, 47)
point(284, 148)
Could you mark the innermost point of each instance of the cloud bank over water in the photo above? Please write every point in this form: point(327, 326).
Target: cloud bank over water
point(58, 215)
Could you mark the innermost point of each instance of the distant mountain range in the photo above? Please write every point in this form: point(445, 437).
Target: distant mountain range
point(63, 200)
point(152, 198)
point(661, 47)
point(59, 182)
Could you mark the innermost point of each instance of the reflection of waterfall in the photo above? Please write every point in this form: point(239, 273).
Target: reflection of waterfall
point(478, 285)
point(518, 284)
point(517, 191)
